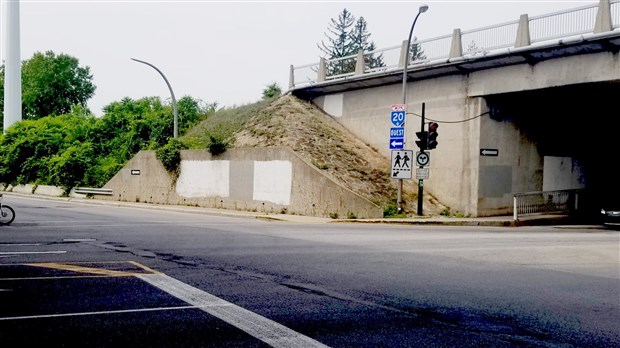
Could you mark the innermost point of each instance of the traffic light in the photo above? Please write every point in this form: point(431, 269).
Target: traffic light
point(432, 135)
point(422, 140)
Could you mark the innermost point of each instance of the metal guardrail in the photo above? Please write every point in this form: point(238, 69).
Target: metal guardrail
point(560, 201)
point(561, 24)
point(93, 191)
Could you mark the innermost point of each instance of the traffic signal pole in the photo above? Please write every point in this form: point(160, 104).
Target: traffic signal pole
point(421, 181)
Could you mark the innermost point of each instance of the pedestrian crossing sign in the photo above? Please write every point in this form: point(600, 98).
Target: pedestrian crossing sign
point(401, 164)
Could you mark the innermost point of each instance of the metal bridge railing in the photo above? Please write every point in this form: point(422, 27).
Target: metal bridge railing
point(561, 24)
point(560, 201)
point(93, 191)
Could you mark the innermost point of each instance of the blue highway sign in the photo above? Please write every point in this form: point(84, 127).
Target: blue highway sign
point(397, 118)
point(397, 132)
point(397, 143)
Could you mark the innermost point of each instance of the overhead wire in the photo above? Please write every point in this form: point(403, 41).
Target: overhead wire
point(462, 121)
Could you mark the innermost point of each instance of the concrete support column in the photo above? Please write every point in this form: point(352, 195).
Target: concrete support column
point(523, 32)
point(12, 72)
point(291, 77)
point(403, 53)
point(456, 46)
point(359, 63)
point(322, 71)
point(603, 17)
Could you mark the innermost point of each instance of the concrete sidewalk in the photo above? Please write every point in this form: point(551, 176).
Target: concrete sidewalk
point(496, 221)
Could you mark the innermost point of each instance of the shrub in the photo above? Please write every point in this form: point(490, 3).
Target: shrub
point(217, 145)
point(170, 154)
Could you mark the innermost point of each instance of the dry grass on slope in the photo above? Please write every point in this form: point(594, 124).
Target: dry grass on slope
point(325, 143)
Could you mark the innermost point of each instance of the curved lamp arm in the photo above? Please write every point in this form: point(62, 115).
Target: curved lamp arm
point(174, 101)
point(421, 10)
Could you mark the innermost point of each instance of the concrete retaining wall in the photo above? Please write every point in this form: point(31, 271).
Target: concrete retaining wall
point(270, 180)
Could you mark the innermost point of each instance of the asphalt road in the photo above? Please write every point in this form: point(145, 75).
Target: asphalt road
point(75, 274)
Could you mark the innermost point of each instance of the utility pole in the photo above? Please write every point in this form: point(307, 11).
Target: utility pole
point(12, 72)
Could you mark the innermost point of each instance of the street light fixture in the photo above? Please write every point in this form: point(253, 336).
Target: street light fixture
point(422, 9)
point(174, 101)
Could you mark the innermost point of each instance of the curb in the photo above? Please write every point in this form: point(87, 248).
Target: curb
point(546, 220)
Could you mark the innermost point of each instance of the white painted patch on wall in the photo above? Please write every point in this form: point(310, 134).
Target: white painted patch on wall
point(273, 181)
point(333, 104)
point(203, 179)
point(562, 173)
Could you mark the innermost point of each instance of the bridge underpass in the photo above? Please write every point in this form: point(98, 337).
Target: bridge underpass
point(551, 95)
point(577, 123)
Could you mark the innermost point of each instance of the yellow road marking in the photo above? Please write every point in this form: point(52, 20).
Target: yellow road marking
point(90, 272)
point(81, 269)
point(146, 268)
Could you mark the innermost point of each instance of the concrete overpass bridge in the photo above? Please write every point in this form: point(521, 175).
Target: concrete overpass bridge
point(541, 93)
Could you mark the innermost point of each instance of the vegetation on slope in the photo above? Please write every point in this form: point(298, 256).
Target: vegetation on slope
point(315, 136)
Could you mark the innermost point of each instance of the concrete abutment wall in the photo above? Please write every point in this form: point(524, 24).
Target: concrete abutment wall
point(270, 180)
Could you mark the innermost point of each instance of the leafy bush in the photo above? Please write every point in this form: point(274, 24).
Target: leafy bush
point(271, 91)
point(67, 168)
point(391, 211)
point(217, 145)
point(170, 154)
point(78, 149)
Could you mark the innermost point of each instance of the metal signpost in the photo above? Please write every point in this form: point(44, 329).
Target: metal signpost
point(397, 142)
point(424, 159)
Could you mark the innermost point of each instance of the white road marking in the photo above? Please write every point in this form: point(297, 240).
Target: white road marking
point(43, 316)
point(264, 329)
point(20, 244)
point(32, 252)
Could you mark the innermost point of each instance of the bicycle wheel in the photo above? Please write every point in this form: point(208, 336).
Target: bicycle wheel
point(7, 215)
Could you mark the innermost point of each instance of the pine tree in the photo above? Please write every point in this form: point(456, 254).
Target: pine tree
point(348, 36)
point(339, 43)
point(416, 52)
point(360, 40)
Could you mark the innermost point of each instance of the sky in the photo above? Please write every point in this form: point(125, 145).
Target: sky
point(227, 51)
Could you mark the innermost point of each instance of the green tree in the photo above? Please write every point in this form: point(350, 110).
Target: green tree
point(415, 51)
point(348, 36)
point(33, 151)
point(131, 125)
point(51, 85)
point(339, 43)
point(360, 38)
point(192, 111)
point(271, 91)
